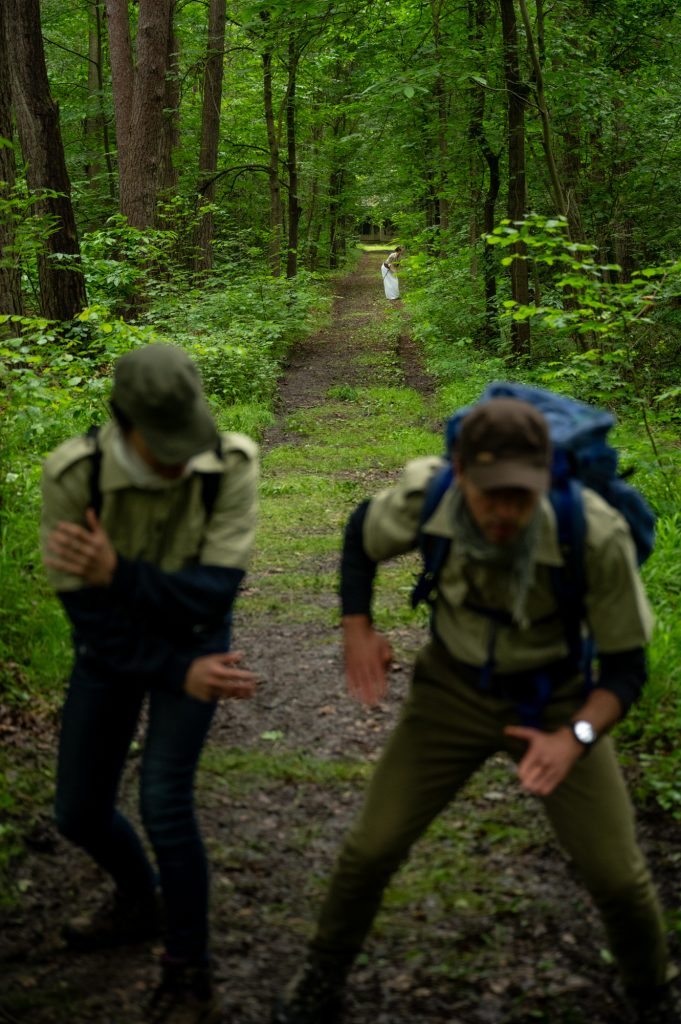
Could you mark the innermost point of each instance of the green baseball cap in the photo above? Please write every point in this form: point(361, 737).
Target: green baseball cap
point(158, 389)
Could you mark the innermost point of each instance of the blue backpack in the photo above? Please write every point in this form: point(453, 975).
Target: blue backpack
point(582, 457)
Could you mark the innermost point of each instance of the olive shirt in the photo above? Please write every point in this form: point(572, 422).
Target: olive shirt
point(178, 568)
point(616, 608)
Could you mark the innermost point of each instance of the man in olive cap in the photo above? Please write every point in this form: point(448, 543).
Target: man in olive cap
point(147, 530)
point(496, 675)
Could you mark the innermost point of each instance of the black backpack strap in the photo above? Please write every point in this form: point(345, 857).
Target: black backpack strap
point(95, 471)
point(434, 549)
point(569, 580)
point(210, 484)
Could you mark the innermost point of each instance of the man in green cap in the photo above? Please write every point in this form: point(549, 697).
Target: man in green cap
point(147, 530)
point(497, 675)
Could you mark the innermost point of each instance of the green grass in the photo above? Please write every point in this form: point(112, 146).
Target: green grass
point(248, 770)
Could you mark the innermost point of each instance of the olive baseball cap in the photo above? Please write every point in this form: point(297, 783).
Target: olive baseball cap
point(504, 442)
point(158, 388)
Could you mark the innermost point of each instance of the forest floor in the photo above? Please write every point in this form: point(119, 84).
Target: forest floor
point(486, 924)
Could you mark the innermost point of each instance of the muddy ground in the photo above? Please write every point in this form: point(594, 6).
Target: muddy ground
point(504, 936)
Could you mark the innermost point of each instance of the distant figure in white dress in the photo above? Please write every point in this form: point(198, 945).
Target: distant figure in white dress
point(390, 281)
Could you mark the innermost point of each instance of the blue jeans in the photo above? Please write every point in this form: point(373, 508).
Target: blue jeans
point(99, 720)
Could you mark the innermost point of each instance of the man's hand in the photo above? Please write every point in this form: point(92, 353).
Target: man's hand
point(80, 551)
point(214, 677)
point(367, 659)
point(549, 757)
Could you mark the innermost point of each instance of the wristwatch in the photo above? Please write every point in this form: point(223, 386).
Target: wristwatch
point(584, 733)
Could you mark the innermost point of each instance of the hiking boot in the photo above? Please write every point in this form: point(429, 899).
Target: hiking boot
point(185, 996)
point(315, 994)
point(119, 921)
point(658, 1006)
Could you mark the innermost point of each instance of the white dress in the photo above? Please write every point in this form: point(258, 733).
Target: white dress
point(390, 281)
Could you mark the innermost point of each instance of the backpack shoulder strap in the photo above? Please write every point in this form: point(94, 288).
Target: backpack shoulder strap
point(569, 580)
point(95, 471)
point(434, 549)
point(210, 484)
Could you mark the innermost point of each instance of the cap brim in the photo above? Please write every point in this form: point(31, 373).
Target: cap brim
point(174, 447)
point(509, 474)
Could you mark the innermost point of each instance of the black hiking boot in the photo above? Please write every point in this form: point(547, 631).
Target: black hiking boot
point(119, 921)
point(315, 994)
point(659, 1004)
point(186, 995)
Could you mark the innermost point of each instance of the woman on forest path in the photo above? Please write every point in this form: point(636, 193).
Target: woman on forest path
point(391, 283)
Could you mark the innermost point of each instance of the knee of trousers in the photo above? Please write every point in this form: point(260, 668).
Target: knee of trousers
point(620, 885)
point(167, 812)
point(371, 857)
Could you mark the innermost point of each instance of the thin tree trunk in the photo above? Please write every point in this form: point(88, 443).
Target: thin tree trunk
point(517, 185)
point(273, 174)
point(10, 271)
point(62, 287)
point(170, 131)
point(139, 93)
point(97, 145)
point(442, 125)
point(292, 161)
point(210, 130)
point(568, 210)
point(477, 23)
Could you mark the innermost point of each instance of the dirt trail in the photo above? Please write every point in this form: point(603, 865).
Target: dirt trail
point(447, 952)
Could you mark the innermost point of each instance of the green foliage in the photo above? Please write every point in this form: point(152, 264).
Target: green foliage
point(445, 304)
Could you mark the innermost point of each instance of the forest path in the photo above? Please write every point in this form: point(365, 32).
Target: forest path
point(486, 924)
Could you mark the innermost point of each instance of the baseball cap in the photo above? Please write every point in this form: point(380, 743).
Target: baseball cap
point(504, 442)
point(158, 388)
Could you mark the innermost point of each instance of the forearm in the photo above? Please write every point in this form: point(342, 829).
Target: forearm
point(602, 709)
point(198, 596)
point(357, 570)
point(624, 675)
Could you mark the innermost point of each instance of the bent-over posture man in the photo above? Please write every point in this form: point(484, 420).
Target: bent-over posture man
point(147, 530)
point(498, 643)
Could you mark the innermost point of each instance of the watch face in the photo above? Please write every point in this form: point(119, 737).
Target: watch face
point(584, 731)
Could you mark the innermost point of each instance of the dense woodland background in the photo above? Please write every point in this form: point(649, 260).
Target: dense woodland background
point(199, 172)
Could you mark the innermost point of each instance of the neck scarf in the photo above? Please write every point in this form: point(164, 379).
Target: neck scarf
point(516, 560)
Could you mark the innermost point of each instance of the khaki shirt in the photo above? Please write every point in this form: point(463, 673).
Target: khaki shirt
point(617, 610)
point(166, 527)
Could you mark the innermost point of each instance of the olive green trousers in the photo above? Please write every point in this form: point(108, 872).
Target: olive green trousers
point(446, 731)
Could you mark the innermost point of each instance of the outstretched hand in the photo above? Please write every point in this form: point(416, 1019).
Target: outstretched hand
point(215, 677)
point(82, 551)
point(367, 659)
point(548, 759)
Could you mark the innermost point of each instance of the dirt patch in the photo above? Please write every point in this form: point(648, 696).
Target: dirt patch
point(532, 951)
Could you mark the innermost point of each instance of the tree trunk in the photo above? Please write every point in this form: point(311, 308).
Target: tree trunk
point(441, 100)
point(336, 182)
point(170, 129)
point(10, 271)
point(477, 24)
point(516, 92)
point(292, 161)
point(210, 130)
point(62, 287)
point(273, 174)
point(97, 147)
point(139, 93)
